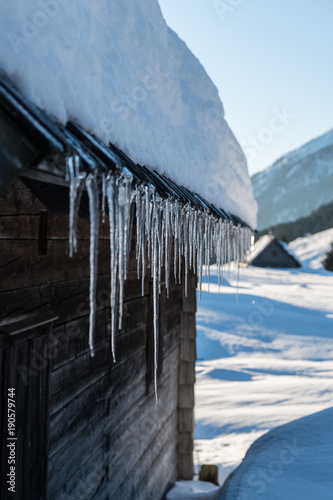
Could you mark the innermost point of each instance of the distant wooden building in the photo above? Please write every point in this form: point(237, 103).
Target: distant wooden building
point(85, 427)
point(269, 252)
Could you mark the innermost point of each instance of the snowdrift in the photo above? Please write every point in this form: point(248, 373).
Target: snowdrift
point(291, 462)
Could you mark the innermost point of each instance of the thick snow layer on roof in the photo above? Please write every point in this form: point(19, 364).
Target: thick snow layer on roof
point(120, 72)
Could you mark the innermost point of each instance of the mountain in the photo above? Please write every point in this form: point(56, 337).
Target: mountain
point(296, 184)
point(319, 220)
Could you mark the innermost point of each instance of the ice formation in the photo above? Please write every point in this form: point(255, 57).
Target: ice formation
point(168, 234)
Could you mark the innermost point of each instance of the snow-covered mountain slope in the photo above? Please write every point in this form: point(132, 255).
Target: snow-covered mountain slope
point(311, 250)
point(120, 72)
point(296, 184)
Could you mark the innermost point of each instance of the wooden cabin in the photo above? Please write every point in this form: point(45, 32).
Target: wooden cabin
point(83, 427)
point(86, 427)
point(269, 252)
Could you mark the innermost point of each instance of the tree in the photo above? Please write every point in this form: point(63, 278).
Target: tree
point(328, 261)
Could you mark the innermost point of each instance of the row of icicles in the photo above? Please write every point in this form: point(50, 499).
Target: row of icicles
point(167, 232)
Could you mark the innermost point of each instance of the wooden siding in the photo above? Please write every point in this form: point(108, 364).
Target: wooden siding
point(107, 439)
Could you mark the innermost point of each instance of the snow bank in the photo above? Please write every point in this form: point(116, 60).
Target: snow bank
point(291, 462)
point(312, 249)
point(120, 72)
point(193, 490)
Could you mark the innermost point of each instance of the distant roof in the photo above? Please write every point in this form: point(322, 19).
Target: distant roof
point(269, 252)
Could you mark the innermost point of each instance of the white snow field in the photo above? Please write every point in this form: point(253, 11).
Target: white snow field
point(264, 361)
point(121, 73)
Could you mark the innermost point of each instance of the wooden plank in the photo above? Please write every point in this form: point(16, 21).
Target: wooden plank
point(70, 340)
point(171, 341)
point(187, 350)
point(127, 406)
point(25, 227)
point(190, 301)
point(140, 440)
point(186, 396)
point(185, 443)
point(185, 467)
point(156, 480)
point(148, 476)
point(188, 326)
point(90, 480)
point(69, 380)
point(66, 299)
point(187, 373)
point(18, 200)
point(109, 401)
point(113, 411)
point(185, 420)
point(21, 266)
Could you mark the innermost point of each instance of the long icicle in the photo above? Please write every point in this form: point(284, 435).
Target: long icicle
point(75, 192)
point(112, 197)
point(154, 265)
point(93, 194)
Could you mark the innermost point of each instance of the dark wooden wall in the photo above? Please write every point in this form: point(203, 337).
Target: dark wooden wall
point(107, 439)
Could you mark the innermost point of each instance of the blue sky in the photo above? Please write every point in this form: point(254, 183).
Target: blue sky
point(272, 64)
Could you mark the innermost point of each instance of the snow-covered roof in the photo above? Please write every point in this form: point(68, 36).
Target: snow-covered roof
point(118, 71)
point(270, 243)
point(259, 246)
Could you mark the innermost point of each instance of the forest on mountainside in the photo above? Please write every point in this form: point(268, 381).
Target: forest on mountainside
point(319, 220)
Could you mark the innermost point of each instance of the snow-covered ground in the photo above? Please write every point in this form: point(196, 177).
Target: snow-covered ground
point(291, 462)
point(265, 360)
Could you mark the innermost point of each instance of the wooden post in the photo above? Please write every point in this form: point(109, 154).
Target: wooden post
point(186, 381)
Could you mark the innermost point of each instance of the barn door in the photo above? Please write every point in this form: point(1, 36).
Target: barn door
point(25, 370)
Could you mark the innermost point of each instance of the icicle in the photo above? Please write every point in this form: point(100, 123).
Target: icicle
point(195, 239)
point(219, 250)
point(75, 192)
point(112, 197)
point(180, 242)
point(121, 242)
point(92, 188)
point(237, 287)
point(103, 197)
point(168, 242)
point(138, 228)
point(158, 229)
point(124, 227)
point(185, 232)
point(200, 253)
point(154, 271)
